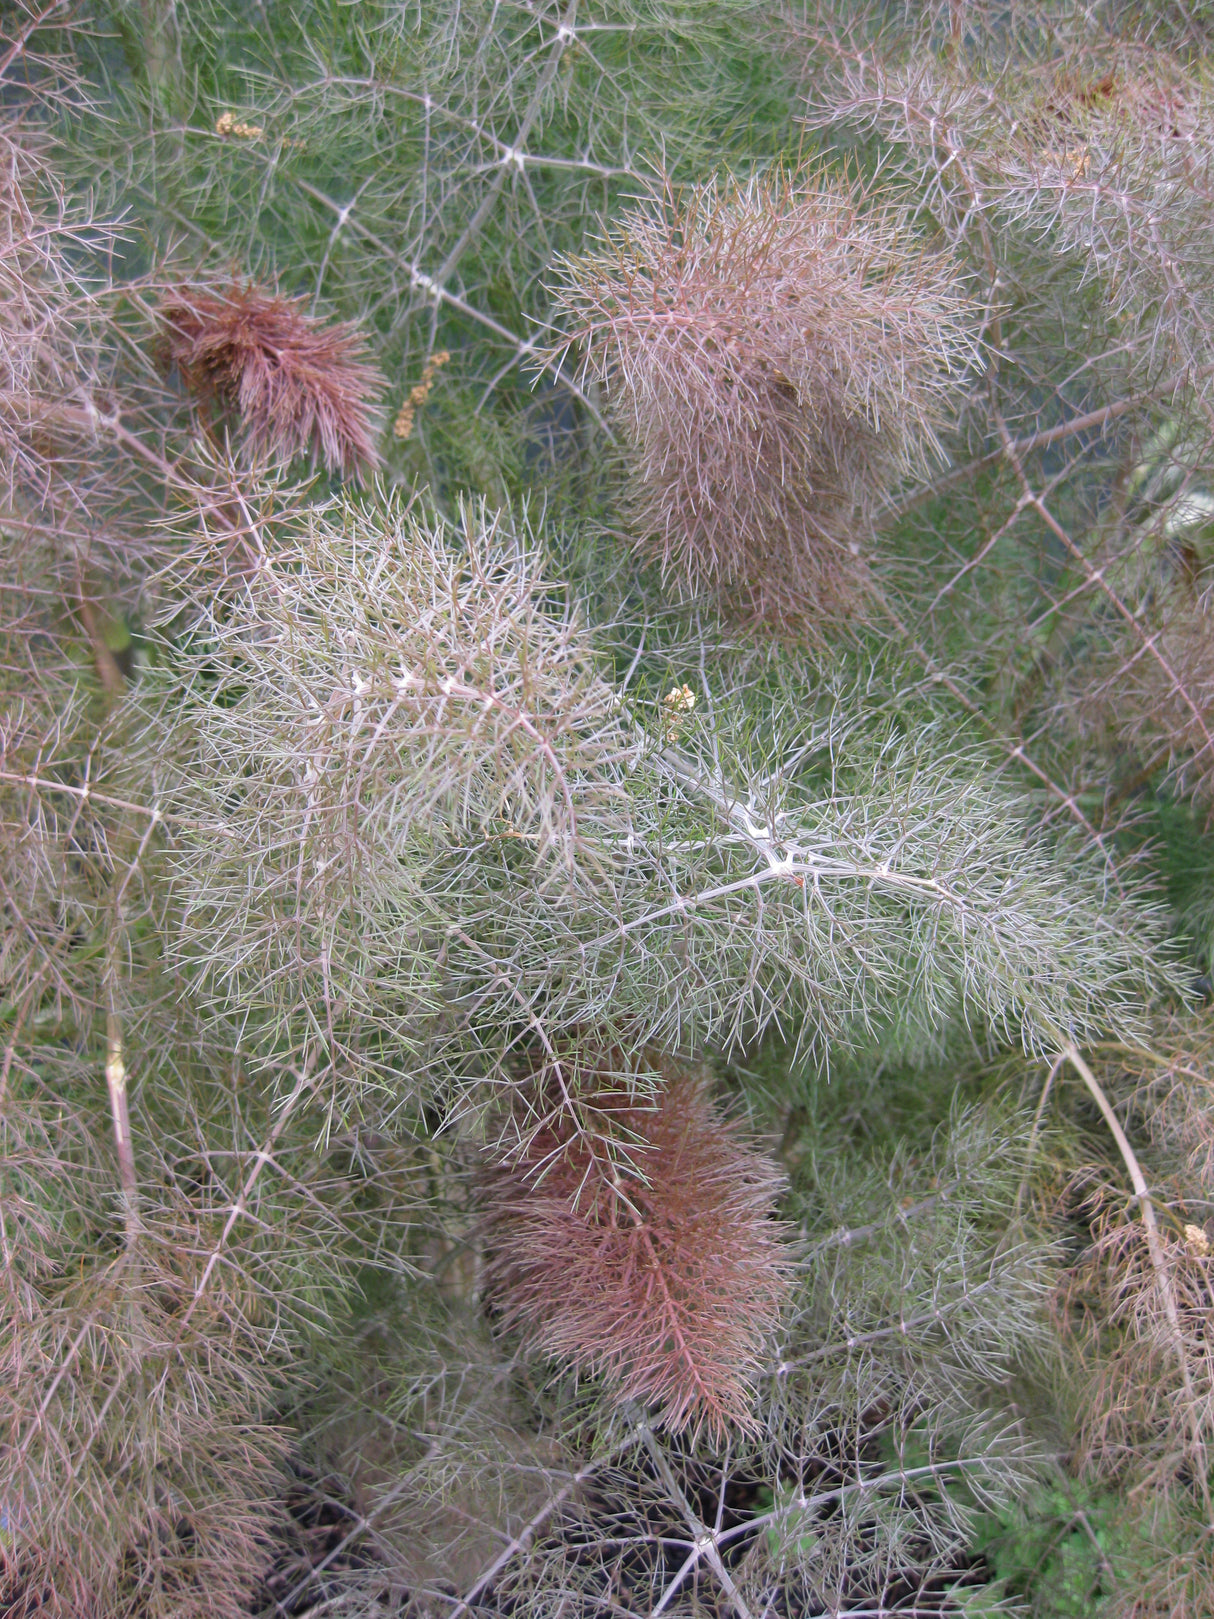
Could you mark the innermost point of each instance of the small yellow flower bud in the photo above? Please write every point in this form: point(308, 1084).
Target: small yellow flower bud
point(678, 702)
point(1197, 1240)
point(418, 394)
point(228, 124)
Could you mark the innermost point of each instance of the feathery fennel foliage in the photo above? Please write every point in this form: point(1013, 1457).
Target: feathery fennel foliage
point(586, 1026)
point(415, 797)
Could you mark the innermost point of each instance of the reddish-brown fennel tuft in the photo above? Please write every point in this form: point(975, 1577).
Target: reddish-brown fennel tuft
point(298, 384)
point(775, 357)
point(664, 1285)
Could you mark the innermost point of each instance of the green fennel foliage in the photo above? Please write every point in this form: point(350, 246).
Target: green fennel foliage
point(605, 769)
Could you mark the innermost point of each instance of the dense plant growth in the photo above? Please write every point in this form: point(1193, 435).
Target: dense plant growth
point(606, 760)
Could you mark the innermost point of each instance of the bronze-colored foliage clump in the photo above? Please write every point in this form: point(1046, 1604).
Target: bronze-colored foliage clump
point(775, 355)
point(299, 385)
point(662, 1282)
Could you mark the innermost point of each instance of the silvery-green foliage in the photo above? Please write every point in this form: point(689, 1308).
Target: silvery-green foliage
point(421, 813)
point(349, 847)
point(879, 1452)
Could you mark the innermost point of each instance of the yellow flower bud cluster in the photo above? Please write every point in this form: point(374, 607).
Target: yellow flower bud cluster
point(1197, 1240)
point(228, 124)
point(418, 394)
point(678, 703)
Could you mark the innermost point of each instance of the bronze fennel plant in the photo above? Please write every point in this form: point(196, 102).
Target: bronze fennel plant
point(593, 1020)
